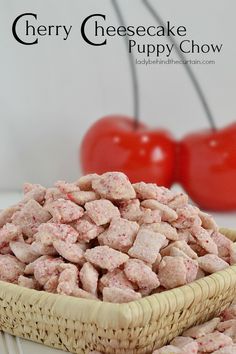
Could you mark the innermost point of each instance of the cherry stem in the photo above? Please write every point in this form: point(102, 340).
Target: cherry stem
point(186, 65)
point(132, 68)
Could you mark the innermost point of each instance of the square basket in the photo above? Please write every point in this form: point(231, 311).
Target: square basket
point(80, 325)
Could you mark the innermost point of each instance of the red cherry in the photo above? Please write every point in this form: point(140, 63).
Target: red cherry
point(207, 168)
point(113, 144)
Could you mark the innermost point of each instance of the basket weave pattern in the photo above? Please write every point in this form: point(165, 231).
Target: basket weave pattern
point(80, 325)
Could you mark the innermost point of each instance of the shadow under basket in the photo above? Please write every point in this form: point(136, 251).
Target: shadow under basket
point(80, 325)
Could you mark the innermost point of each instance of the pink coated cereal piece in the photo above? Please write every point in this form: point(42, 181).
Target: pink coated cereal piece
point(65, 211)
point(181, 341)
point(208, 221)
point(202, 329)
point(10, 268)
point(40, 249)
point(229, 328)
point(233, 254)
point(114, 186)
point(187, 217)
point(65, 187)
point(183, 246)
point(47, 268)
point(8, 233)
point(89, 278)
point(77, 292)
point(52, 194)
point(141, 274)
point(118, 295)
point(229, 313)
point(105, 257)
point(72, 252)
point(6, 215)
point(85, 182)
point(155, 265)
point(68, 279)
point(130, 209)
point(50, 232)
point(172, 272)
point(184, 235)
point(186, 344)
point(29, 283)
point(29, 269)
point(213, 341)
point(82, 197)
point(223, 243)
point(23, 251)
point(30, 217)
point(190, 264)
point(229, 349)
point(179, 201)
point(204, 239)
point(101, 211)
point(150, 216)
point(147, 245)
point(121, 234)
point(116, 279)
point(87, 229)
point(211, 263)
point(34, 191)
point(168, 349)
point(165, 229)
point(152, 191)
point(167, 214)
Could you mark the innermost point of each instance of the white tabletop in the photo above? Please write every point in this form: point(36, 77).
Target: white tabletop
point(12, 345)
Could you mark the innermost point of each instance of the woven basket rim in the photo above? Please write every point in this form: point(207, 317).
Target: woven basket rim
point(64, 307)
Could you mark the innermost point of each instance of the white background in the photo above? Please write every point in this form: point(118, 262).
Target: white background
point(52, 92)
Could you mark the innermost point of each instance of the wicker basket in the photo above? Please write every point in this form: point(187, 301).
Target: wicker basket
point(80, 325)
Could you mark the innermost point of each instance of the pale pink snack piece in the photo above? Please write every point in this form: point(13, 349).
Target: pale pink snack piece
point(211, 263)
point(72, 252)
point(6, 214)
point(152, 191)
point(183, 246)
point(167, 214)
point(168, 349)
point(105, 257)
point(223, 326)
point(89, 278)
point(149, 216)
point(155, 265)
point(65, 211)
point(68, 279)
point(52, 194)
point(82, 197)
point(116, 279)
point(87, 229)
point(213, 341)
point(141, 274)
point(77, 292)
point(229, 313)
point(101, 211)
point(179, 201)
point(232, 254)
point(172, 272)
point(186, 344)
point(114, 186)
point(50, 232)
point(181, 341)
point(29, 269)
point(118, 295)
point(147, 245)
point(231, 349)
point(190, 264)
point(208, 221)
point(29, 283)
point(204, 239)
point(40, 249)
point(185, 235)
point(187, 217)
point(10, 268)
point(30, 217)
point(8, 233)
point(223, 243)
point(203, 329)
point(33, 191)
point(65, 187)
point(46, 271)
point(23, 251)
point(121, 234)
point(130, 209)
point(85, 182)
point(163, 228)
